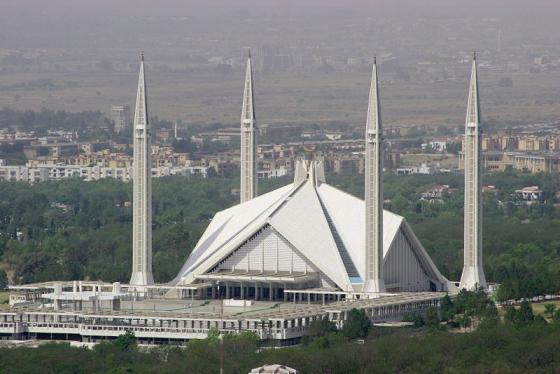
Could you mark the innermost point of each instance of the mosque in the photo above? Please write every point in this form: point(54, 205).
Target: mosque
point(311, 236)
point(307, 234)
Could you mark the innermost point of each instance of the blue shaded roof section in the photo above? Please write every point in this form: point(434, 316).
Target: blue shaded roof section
point(356, 280)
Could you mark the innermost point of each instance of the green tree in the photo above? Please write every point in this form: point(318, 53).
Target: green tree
point(523, 316)
point(318, 328)
point(453, 147)
point(3, 280)
point(432, 318)
point(357, 324)
point(525, 312)
point(549, 310)
point(417, 319)
point(126, 341)
point(447, 308)
point(556, 318)
point(510, 314)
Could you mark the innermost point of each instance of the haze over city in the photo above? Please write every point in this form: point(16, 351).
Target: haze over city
point(312, 57)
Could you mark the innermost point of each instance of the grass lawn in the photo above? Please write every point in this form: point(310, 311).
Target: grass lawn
point(4, 299)
point(538, 308)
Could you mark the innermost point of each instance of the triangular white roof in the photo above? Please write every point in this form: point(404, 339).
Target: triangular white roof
point(351, 223)
point(305, 213)
point(302, 222)
point(239, 221)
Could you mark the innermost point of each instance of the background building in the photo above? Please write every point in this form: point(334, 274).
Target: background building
point(120, 114)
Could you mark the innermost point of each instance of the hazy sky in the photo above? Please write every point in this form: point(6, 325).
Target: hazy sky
point(87, 51)
point(37, 23)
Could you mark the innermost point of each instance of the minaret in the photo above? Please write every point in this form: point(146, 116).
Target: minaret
point(374, 281)
point(248, 139)
point(142, 189)
point(473, 272)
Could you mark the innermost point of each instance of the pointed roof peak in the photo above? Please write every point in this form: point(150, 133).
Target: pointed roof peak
point(249, 53)
point(248, 110)
point(141, 109)
point(474, 55)
point(473, 115)
point(375, 59)
point(374, 116)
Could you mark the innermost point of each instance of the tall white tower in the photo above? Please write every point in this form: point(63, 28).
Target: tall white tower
point(248, 139)
point(374, 281)
point(473, 272)
point(142, 202)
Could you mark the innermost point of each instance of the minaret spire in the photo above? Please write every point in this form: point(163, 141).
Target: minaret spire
point(473, 271)
point(374, 281)
point(248, 138)
point(142, 189)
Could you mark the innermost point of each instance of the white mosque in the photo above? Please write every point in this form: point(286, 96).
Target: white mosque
point(309, 235)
